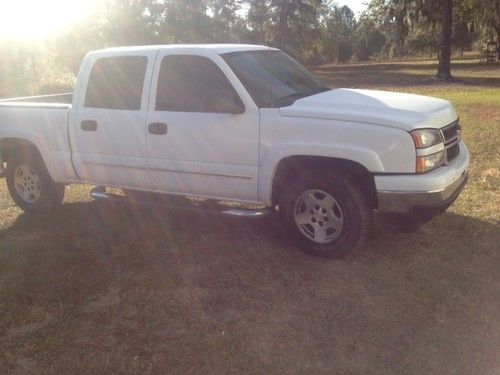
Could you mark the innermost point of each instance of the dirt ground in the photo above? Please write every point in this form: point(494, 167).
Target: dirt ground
point(97, 288)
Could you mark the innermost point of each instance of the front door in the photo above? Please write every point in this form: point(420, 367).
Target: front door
point(196, 148)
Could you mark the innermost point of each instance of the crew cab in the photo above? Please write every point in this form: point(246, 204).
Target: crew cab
point(243, 123)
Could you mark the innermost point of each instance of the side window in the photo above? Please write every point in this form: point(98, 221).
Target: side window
point(116, 83)
point(186, 80)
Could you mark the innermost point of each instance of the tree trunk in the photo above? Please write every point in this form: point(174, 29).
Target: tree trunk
point(282, 23)
point(497, 28)
point(444, 67)
point(498, 41)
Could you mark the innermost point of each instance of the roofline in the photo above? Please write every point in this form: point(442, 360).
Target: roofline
point(217, 48)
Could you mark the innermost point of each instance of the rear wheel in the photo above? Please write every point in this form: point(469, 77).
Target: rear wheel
point(328, 217)
point(29, 183)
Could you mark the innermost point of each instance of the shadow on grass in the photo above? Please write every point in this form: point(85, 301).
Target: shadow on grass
point(107, 224)
point(407, 65)
point(393, 74)
point(98, 287)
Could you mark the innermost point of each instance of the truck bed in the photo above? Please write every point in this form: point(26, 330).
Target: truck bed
point(63, 99)
point(41, 121)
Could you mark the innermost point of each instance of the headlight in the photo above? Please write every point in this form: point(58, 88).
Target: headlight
point(430, 149)
point(429, 162)
point(426, 137)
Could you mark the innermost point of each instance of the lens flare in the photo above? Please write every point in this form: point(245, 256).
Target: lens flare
point(36, 19)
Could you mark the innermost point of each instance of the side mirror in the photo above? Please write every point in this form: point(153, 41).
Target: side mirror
point(221, 101)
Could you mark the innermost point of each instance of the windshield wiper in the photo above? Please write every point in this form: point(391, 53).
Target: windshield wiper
point(294, 96)
point(298, 95)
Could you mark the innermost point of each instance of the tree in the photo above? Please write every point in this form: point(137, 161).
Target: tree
point(185, 21)
point(488, 13)
point(130, 22)
point(302, 13)
point(258, 18)
point(395, 18)
point(464, 22)
point(340, 26)
point(444, 66)
point(368, 39)
point(407, 15)
point(228, 26)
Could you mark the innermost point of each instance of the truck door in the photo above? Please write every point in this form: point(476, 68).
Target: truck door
point(108, 125)
point(196, 147)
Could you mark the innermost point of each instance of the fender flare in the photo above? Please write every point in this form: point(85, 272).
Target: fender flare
point(36, 140)
point(278, 153)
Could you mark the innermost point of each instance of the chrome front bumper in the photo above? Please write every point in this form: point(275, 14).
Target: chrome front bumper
point(403, 202)
point(434, 191)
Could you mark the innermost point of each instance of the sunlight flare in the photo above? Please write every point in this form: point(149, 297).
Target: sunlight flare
point(35, 19)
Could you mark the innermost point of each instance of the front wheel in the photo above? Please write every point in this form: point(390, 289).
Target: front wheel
point(30, 184)
point(329, 217)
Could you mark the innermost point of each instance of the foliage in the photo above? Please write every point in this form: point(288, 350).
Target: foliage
point(369, 39)
point(338, 34)
point(313, 31)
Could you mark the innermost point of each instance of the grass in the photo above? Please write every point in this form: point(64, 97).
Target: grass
point(95, 288)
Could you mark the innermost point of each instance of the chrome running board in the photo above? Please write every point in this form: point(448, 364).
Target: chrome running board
point(99, 193)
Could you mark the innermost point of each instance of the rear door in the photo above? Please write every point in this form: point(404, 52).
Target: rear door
point(108, 125)
point(201, 151)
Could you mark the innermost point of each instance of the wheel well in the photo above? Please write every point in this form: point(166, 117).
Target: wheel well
point(295, 167)
point(8, 145)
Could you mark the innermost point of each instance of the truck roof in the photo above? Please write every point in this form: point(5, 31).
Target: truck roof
point(218, 48)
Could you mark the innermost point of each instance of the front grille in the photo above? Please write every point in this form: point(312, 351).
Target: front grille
point(451, 134)
point(451, 131)
point(452, 152)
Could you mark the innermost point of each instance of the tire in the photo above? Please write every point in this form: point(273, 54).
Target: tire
point(30, 184)
point(326, 217)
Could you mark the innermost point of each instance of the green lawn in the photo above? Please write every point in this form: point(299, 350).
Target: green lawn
point(96, 288)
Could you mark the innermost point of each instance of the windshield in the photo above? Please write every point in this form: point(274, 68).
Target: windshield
point(273, 78)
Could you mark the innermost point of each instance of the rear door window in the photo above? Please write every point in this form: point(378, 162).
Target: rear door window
point(116, 83)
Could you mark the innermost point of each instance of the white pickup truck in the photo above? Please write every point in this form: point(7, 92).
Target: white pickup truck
point(240, 123)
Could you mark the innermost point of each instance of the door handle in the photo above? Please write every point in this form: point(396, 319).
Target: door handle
point(89, 125)
point(157, 128)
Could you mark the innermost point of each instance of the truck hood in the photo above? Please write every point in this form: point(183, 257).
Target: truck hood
point(385, 108)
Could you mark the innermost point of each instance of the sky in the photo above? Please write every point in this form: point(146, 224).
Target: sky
point(357, 6)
